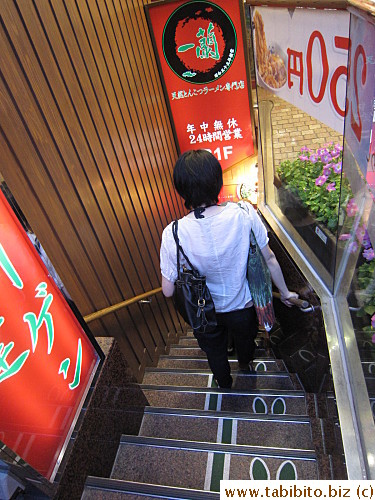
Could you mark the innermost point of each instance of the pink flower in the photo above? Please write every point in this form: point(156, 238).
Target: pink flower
point(304, 148)
point(338, 147)
point(360, 233)
point(327, 169)
point(314, 158)
point(351, 208)
point(331, 186)
point(319, 181)
point(335, 154)
point(353, 247)
point(344, 236)
point(303, 157)
point(373, 323)
point(366, 242)
point(337, 167)
point(326, 158)
point(322, 151)
point(368, 254)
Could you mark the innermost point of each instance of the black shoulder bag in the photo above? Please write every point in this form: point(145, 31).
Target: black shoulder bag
point(191, 296)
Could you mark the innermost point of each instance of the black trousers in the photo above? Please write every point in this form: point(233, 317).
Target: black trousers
point(242, 324)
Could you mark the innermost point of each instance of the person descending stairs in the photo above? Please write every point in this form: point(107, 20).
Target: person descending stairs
point(194, 434)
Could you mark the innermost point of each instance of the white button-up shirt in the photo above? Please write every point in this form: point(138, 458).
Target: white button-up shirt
point(218, 246)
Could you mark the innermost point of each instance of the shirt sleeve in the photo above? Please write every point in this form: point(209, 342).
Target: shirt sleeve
point(168, 257)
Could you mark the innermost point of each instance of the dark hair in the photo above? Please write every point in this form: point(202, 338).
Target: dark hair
point(198, 178)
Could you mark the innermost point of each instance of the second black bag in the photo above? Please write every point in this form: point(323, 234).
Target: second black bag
point(191, 297)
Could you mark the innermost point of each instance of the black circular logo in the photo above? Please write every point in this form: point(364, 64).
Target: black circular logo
point(199, 42)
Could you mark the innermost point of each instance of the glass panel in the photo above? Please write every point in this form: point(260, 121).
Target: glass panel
point(356, 263)
point(319, 183)
point(301, 60)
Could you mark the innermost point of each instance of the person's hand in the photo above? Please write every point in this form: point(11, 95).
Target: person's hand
point(285, 298)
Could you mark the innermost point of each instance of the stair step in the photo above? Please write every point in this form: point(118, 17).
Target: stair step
point(202, 465)
point(370, 384)
point(258, 401)
point(189, 333)
point(178, 350)
point(98, 488)
point(191, 341)
point(368, 367)
point(372, 404)
point(185, 362)
point(331, 405)
point(186, 341)
point(276, 431)
point(203, 378)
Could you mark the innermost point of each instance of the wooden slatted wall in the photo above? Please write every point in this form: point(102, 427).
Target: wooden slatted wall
point(87, 150)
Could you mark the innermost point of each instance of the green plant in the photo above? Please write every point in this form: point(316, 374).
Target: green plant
point(366, 288)
point(366, 295)
point(364, 282)
point(316, 178)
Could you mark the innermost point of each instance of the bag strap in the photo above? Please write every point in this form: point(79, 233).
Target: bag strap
point(179, 248)
point(253, 240)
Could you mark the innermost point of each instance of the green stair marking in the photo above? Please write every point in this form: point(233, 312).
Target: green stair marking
point(217, 471)
point(259, 470)
point(219, 458)
point(260, 367)
point(259, 405)
point(218, 461)
point(278, 407)
point(227, 431)
point(287, 471)
point(212, 405)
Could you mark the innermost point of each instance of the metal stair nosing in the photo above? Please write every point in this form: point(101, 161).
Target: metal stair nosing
point(196, 347)
point(287, 418)
point(153, 490)
point(260, 359)
point(207, 371)
point(294, 393)
point(179, 362)
point(247, 450)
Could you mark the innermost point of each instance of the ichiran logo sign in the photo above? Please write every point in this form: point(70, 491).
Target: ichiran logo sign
point(199, 42)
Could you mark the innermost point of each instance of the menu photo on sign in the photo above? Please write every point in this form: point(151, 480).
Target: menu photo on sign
point(202, 60)
point(301, 55)
point(48, 359)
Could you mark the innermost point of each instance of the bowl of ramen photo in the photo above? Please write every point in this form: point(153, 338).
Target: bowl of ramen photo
point(271, 60)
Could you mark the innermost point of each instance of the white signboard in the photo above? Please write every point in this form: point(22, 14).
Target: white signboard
point(361, 91)
point(302, 56)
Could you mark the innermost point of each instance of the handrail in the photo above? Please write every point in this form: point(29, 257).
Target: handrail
point(120, 305)
point(303, 304)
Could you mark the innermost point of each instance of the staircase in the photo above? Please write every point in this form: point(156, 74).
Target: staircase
point(194, 434)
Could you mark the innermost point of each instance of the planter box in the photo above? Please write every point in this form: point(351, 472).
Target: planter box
point(321, 241)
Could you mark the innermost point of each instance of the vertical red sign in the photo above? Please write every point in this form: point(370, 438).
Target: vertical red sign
point(47, 362)
point(200, 48)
